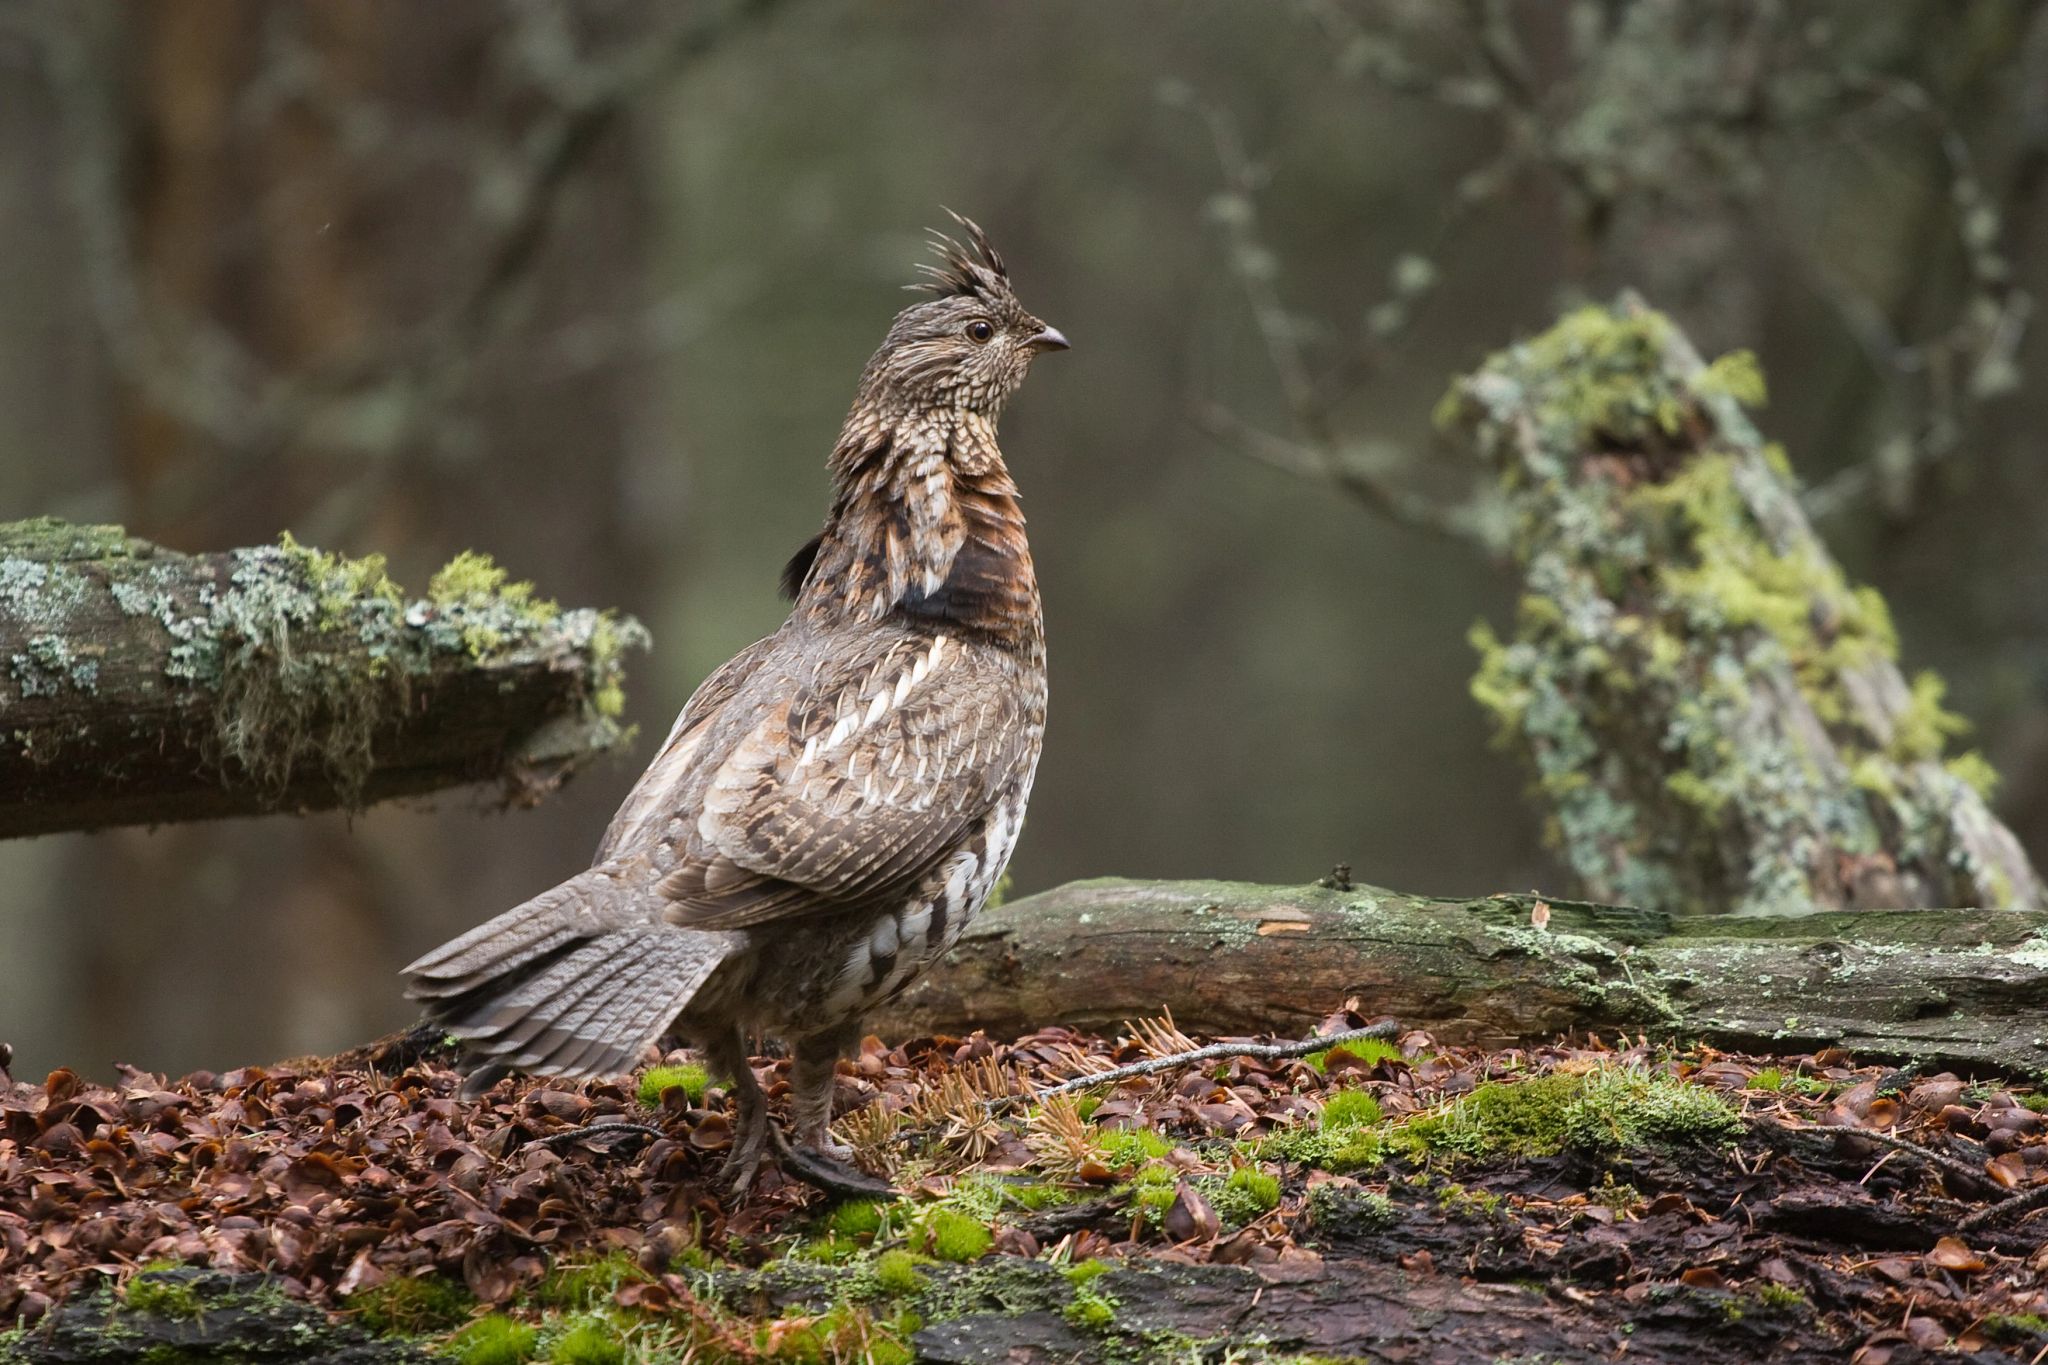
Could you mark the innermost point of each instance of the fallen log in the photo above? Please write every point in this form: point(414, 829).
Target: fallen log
point(143, 686)
point(1963, 988)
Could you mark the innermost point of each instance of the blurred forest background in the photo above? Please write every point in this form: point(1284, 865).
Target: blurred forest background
point(588, 286)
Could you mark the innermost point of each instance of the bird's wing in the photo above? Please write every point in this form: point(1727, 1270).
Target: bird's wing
point(651, 804)
point(853, 788)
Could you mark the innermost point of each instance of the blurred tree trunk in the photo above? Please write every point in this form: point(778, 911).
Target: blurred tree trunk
point(1715, 716)
point(336, 248)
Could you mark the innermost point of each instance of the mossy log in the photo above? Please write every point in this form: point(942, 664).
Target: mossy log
point(143, 686)
point(1962, 988)
point(1715, 716)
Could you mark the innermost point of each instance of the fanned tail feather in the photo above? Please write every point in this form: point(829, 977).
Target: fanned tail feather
point(557, 987)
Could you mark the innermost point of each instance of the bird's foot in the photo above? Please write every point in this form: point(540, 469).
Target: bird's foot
point(750, 1142)
point(821, 1144)
point(829, 1166)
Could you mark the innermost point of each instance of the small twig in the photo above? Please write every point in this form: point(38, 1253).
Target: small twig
point(605, 1130)
point(2004, 1209)
point(1959, 1169)
point(1269, 1052)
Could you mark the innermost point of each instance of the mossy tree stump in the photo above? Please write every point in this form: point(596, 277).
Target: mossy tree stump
point(139, 685)
point(1715, 716)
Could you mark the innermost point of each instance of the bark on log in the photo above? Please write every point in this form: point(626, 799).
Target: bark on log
point(1962, 988)
point(139, 685)
point(1714, 714)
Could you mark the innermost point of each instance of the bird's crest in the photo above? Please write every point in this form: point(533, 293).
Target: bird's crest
point(973, 269)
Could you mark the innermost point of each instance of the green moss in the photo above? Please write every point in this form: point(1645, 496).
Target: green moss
point(691, 1079)
point(156, 1291)
point(412, 1306)
point(954, 1236)
point(1243, 1196)
point(896, 1273)
point(1344, 1210)
point(1125, 1147)
point(1974, 771)
point(493, 1340)
point(1737, 375)
point(1924, 728)
point(2014, 1329)
point(1082, 1273)
point(1350, 1109)
point(1090, 1312)
point(1499, 1118)
point(588, 1284)
point(1367, 1052)
point(1623, 1108)
point(593, 1341)
point(1459, 1202)
point(856, 1219)
point(1152, 1202)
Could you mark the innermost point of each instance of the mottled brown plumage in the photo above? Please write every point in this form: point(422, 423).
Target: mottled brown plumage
point(837, 801)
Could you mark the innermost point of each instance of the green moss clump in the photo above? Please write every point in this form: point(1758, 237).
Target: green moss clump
point(1607, 1109)
point(896, 1273)
point(1499, 1118)
point(590, 1342)
point(856, 1219)
point(1460, 1202)
point(1623, 1108)
point(2015, 1329)
point(1081, 1273)
point(954, 1236)
point(1345, 1210)
point(1350, 1109)
point(589, 1284)
point(1369, 1052)
point(1091, 1312)
point(412, 1306)
point(493, 1340)
point(157, 1291)
point(473, 588)
point(690, 1078)
point(1243, 1196)
point(1123, 1147)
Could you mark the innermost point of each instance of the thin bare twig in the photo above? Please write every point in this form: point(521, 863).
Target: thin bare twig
point(1318, 452)
point(598, 1130)
point(1266, 1052)
point(2005, 1208)
point(1960, 1169)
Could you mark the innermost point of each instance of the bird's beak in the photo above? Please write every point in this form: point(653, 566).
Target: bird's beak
point(1048, 339)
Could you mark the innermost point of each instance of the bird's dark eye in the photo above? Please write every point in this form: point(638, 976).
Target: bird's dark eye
point(981, 331)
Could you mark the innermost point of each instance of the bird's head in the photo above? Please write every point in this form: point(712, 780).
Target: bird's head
point(969, 345)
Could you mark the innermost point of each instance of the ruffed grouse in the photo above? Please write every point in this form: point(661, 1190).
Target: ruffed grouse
point(836, 802)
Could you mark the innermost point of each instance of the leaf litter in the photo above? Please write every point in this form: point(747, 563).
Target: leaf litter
point(1814, 1206)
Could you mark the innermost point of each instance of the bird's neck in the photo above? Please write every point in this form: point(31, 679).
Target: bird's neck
point(925, 526)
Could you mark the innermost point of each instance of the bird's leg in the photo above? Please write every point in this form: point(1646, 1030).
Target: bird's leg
point(814, 1157)
point(814, 1064)
point(726, 1055)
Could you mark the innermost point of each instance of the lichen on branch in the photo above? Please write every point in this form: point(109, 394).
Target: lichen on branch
point(294, 677)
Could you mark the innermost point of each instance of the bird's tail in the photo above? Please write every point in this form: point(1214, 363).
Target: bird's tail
point(560, 987)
